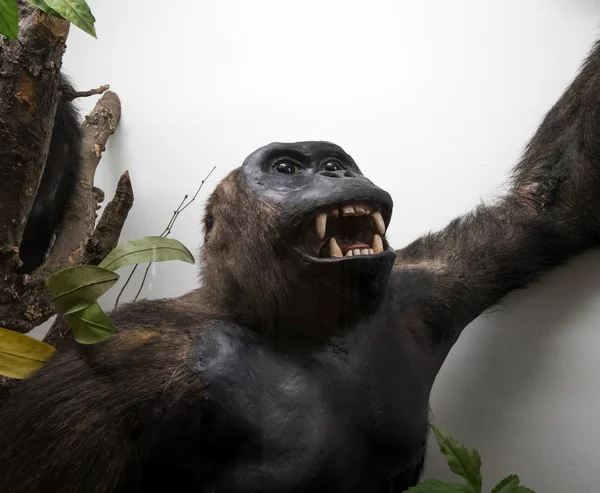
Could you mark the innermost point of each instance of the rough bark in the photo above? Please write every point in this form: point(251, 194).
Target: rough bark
point(24, 300)
point(105, 238)
point(107, 232)
point(80, 216)
point(29, 93)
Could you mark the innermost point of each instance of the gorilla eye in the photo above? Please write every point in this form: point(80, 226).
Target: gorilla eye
point(286, 167)
point(332, 166)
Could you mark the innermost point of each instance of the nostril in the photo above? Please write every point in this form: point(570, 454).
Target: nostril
point(337, 174)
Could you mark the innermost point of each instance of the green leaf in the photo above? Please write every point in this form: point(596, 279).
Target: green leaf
point(462, 462)
point(40, 4)
point(510, 484)
point(9, 18)
point(507, 485)
point(436, 486)
point(21, 355)
point(91, 325)
point(146, 250)
point(75, 288)
point(75, 11)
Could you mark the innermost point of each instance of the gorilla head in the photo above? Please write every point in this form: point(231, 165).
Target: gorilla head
point(309, 239)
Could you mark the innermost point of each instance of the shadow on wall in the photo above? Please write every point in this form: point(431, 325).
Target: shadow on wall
point(521, 379)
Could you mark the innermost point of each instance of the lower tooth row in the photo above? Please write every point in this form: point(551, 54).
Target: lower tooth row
point(336, 251)
point(357, 251)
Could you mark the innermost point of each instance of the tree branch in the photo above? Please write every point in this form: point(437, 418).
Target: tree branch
point(107, 232)
point(71, 95)
point(71, 239)
point(29, 94)
point(105, 238)
point(24, 300)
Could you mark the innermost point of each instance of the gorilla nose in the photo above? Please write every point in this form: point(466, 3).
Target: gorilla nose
point(342, 173)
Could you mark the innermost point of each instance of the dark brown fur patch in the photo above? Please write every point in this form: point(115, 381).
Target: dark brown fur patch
point(241, 259)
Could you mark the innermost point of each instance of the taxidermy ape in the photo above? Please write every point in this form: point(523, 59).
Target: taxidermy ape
point(305, 360)
point(56, 184)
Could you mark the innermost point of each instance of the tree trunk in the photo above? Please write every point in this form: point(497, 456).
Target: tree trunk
point(29, 95)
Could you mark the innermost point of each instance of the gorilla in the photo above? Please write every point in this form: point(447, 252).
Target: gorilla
point(305, 360)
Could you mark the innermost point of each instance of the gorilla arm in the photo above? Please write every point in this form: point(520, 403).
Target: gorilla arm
point(549, 214)
point(89, 419)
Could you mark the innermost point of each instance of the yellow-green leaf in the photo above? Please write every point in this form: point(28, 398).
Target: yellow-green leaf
point(146, 250)
point(75, 288)
point(9, 19)
point(91, 325)
point(21, 355)
point(40, 4)
point(76, 11)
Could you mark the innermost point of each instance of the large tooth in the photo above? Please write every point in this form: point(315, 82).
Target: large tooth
point(378, 222)
point(334, 213)
point(365, 251)
point(348, 210)
point(377, 244)
point(334, 248)
point(356, 251)
point(349, 253)
point(321, 225)
point(359, 210)
point(371, 252)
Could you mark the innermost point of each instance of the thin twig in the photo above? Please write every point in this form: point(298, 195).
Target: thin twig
point(125, 285)
point(167, 231)
point(143, 281)
point(175, 214)
point(169, 227)
point(71, 95)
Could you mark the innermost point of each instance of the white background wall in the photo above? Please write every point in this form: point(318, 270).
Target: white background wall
point(435, 100)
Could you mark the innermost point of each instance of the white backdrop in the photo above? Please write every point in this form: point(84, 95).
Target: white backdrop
point(435, 101)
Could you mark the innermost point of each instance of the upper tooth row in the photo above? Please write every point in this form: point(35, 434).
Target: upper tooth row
point(349, 210)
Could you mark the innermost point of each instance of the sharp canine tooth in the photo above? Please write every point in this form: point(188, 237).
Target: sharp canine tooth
point(378, 222)
point(321, 225)
point(349, 253)
point(356, 251)
point(348, 210)
point(334, 248)
point(377, 244)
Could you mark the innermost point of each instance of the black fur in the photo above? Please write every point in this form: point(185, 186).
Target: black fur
point(56, 185)
point(292, 370)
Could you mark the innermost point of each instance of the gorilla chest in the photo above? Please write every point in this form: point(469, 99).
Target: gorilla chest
point(347, 417)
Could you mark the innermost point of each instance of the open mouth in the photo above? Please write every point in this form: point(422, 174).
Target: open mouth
point(350, 229)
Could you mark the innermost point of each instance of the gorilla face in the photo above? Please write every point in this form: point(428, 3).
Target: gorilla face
point(330, 211)
point(295, 238)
